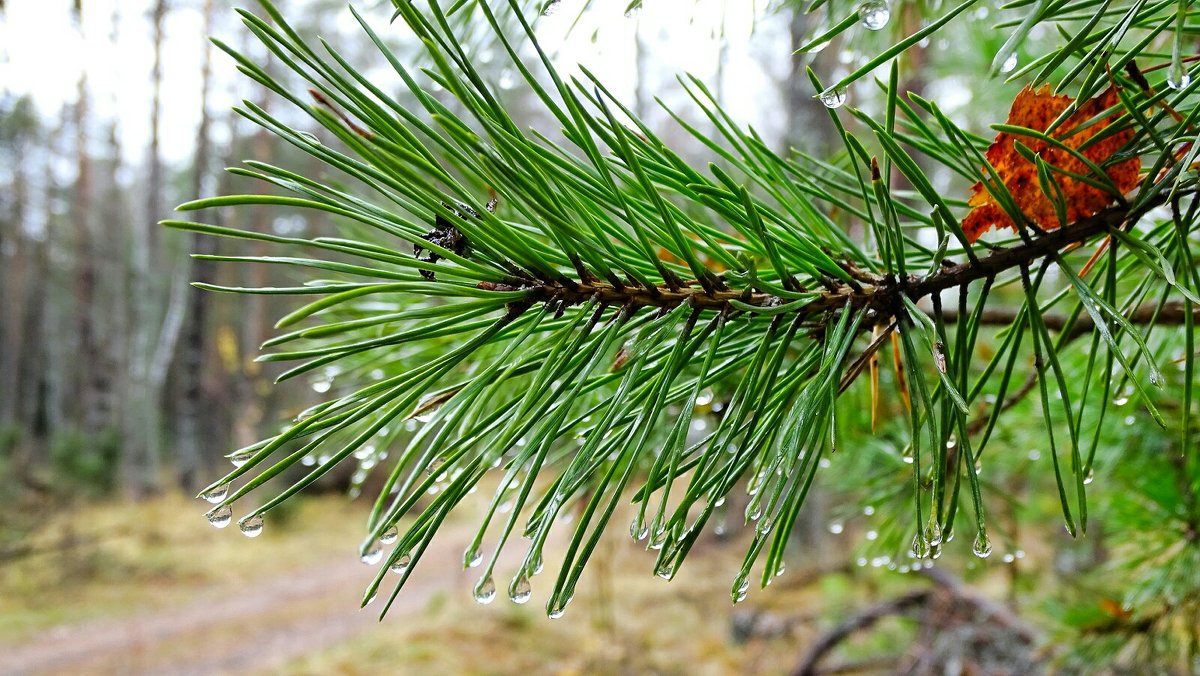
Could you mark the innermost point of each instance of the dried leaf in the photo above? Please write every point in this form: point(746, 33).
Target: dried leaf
point(1036, 111)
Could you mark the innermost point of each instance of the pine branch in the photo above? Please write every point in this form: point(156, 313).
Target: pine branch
point(878, 296)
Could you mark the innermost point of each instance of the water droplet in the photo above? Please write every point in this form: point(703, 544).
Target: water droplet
point(308, 460)
point(1179, 79)
point(1090, 476)
point(872, 534)
point(633, 11)
point(659, 539)
point(558, 612)
point(217, 494)
point(780, 570)
point(868, 510)
point(705, 397)
point(239, 458)
point(1010, 64)
point(389, 536)
point(401, 564)
point(1008, 558)
point(665, 571)
point(538, 566)
point(485, 590)
point(765, 525)
point(1156, 378)
point(874, 14)
point(321, 386)
point(472, 557)
point(220, 517)
point(373, 555)
point(836, 527)
point(740, 591)
point(639, 531)
point(920, 547)
point(550, 7)
point(951, 443)
point(1121, 400)
point(832, 98)
point(520, 590)
point(507, 80)
point(982, 546)
point(370, 599)
point(933, 534)
point(251, 526)
point(719, 501)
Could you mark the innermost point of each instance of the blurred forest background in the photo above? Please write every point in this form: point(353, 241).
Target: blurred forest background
point(122, 387)
point(116, 374)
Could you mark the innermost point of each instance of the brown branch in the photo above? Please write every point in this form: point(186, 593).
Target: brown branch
point(862, 620)
point(1172, 314)
point(881, 298)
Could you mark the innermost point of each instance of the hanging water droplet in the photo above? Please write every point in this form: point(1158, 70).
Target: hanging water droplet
point(920, 547)
point(239, 458)
point(373, 555)
point(389, 536)
point(558, 612)
point(220, 517)
point(933, 534)
point(1090, 476)
point(216, 494)
point(401, 564)
point(780, 570)
point(538, 566)
point(485, 590)
point(659, 539)
point(1178, 78)
point(1010, 64)
point(251, 526)
point(665, 571)
point(633, 10)
point(550, 7)
point(1121, 400)
point(765, 525)
point(719, 501)
point(520, 590)
point(836, 527)
point(832, 98)
point(874, 14)
point(472, 557)
point(754, 509)
point(982, 546)
point(741, 589)
point(1156, 378)
point(321, 386)
point(370, 599)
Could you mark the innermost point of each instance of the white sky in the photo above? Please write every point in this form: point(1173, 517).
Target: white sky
point(42, 53)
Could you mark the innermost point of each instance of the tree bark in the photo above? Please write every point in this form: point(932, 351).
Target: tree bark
point(192, 406)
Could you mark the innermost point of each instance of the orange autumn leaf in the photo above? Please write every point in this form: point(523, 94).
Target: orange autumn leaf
point(1036, 110)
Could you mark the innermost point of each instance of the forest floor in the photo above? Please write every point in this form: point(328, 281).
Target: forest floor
point(149, 593)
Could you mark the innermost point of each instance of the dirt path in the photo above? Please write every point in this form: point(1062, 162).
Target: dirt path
point(234, 629)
